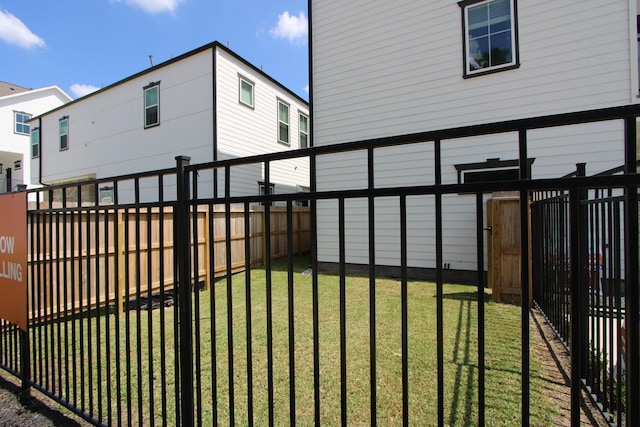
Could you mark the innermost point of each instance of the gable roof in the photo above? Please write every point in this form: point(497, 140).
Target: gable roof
point(213, 45)
point(10, 89)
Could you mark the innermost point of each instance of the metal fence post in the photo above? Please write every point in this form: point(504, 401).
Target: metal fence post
point(631, 281)
point(182, 254)
point(25, 392)
point(582, 273)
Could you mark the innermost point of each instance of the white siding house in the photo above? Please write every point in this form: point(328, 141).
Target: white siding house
point(17, 106)
point(381, 69)
point(208, 104)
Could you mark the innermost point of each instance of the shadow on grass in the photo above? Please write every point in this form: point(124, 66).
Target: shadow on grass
point(466, 296)
point(463, 390)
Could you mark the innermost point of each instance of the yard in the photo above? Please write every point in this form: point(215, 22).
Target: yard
point(132, 369)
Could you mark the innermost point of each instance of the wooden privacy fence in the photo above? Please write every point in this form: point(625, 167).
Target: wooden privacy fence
point(106, 256)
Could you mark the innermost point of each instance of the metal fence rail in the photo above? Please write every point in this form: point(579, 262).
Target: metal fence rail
point(196, 360)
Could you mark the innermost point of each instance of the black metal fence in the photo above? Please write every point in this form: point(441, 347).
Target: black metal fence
point(598, 321)
point(223, 357)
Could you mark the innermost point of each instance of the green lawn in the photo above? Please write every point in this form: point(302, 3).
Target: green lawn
point(502, 356)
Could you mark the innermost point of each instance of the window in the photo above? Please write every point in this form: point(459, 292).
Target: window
point(304, 131)
point(17, 165)
point(35, 143)
point(152, 105)
point(489, 36)
point(64, 133)
point(21, 125)
point(283, 122)
point(106, 195)
point(265, 190)
point(246, 92)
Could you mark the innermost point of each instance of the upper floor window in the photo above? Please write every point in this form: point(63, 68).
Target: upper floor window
point(35, 143)
point(490, 35)
point(21, 125)
point(304, 131)
point(64, 133)
point(283, 122)
point(246, 92)
point(152, 105)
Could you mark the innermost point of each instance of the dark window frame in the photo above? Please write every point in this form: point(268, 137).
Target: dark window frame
point(35, 146)
point(300, 132)
point(65, 146)
point(494, 168)
point(514, 64)
point(156, 86)
point(243, 79)
point(287, 124)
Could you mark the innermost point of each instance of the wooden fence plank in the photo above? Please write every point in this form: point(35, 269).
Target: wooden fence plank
point(82, 263)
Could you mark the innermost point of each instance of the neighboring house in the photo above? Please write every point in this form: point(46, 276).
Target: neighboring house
point(208, 104)
point(17, 106)
point(382, 69)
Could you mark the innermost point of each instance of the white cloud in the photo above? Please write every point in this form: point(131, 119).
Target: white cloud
point(291, 27)
point(14, 32)
point(155, 6)
point(81, 90)
point(306, 88)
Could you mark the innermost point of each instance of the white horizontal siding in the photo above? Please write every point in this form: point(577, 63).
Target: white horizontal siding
point(245, 131)
point(408, 78)
point(106, 130)
point(555, 152)
point(369, 83)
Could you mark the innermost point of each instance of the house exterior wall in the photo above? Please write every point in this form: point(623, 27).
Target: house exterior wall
point(244, 131)
point(15, 146)
point(408, 78)
point(107, 136)
point(200, 117)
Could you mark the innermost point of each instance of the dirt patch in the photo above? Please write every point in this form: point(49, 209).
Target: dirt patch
point(39, 410)
point(556, 366)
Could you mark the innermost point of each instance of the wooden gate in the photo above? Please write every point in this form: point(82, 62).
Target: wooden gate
point(503, 247)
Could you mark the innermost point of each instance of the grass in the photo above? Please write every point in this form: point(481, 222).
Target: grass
point(213, 323)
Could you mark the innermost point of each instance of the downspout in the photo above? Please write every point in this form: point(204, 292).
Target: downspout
point(40, 153)
point(214, 120)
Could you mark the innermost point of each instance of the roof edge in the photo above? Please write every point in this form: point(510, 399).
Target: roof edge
point(212, 45)
point(42, 89)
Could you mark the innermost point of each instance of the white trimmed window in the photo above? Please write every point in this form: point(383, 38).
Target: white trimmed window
point(35, 143)
point(106, 195)
point(490, 35)
point(20, 121)
point(283, 122)
point(246, 92)
point(64, 133)
point(152, 105)
point(304, 131)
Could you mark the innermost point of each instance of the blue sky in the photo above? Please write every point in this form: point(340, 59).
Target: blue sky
point(82, 45)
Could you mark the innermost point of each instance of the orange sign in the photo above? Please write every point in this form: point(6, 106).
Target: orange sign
point(13, 258)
